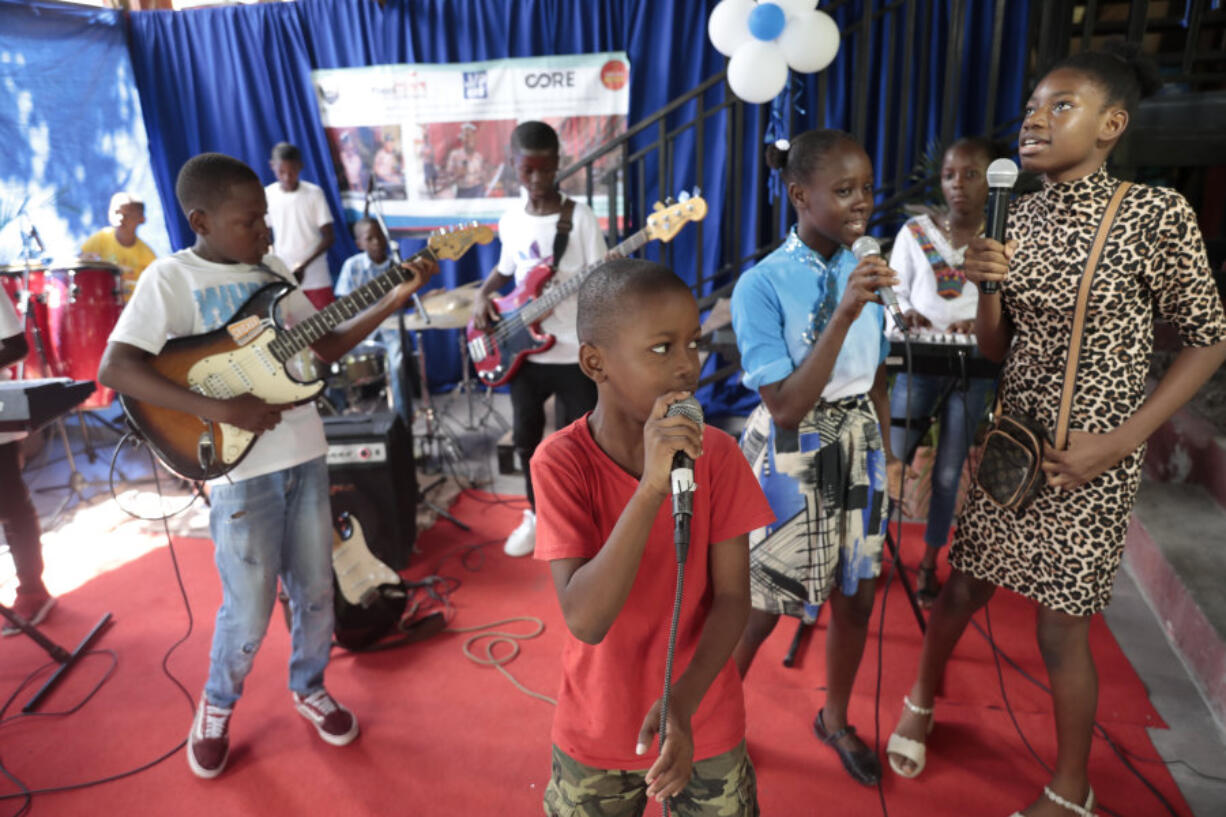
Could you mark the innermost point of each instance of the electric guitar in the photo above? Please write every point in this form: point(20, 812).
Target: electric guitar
point(249, 355)
point(370, 597)
point(499, 350)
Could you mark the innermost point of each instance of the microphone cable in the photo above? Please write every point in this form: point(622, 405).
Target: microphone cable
point(668, 665)
point(894, 508)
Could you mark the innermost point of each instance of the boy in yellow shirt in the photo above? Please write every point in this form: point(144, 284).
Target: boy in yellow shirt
point(118, 243)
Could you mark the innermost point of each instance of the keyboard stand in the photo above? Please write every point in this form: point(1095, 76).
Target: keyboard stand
point(66, 659)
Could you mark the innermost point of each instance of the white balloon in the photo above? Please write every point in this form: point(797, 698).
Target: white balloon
point(810, 41)
point(728, 25)
point(758, 71)
point(794, 8)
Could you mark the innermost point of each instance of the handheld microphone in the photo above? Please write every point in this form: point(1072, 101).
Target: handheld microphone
point(864, 247)
point(682, 479)
point(1002, 175)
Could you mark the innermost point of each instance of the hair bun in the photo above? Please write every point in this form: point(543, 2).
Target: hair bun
point(777, 154)
point(1142, 65)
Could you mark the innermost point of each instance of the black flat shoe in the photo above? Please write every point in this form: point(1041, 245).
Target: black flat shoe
point(861, 763)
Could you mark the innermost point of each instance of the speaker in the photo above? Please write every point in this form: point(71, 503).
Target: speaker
point(372, 476)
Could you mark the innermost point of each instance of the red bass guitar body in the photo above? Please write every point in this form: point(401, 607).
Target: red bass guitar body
point(499, 351)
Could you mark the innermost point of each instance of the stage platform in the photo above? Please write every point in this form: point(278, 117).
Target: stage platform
point(1175, 560)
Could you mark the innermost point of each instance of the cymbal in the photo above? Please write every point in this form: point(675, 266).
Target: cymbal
point(447, 308)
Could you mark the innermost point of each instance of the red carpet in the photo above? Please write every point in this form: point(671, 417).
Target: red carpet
point(442, 735)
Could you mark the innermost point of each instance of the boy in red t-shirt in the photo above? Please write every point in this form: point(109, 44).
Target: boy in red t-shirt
point(605, 525)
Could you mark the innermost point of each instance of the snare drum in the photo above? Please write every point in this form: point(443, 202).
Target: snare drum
point(13, 279)
point(83, 301)
point(365, 364)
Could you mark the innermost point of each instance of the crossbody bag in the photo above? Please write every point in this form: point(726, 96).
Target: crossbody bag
point(1010, 470)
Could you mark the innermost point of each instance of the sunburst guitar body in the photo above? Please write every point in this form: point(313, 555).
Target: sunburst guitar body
point(254, 354)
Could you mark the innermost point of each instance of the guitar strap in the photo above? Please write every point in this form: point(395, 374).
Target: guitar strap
point(562, 236)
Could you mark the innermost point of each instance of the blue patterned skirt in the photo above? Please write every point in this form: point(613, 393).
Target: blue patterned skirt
point(826, 482)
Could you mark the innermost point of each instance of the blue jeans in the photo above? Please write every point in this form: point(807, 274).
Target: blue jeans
point(958, 421)
point(270, 526)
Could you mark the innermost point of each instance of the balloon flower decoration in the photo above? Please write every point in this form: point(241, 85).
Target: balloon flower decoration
point(765, 38)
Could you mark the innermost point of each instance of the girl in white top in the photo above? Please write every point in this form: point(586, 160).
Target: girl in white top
point(934, 295)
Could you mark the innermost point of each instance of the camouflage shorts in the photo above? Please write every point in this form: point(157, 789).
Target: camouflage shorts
point(721, 786)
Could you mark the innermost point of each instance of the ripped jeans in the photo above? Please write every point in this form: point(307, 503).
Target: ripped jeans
point(270, 526)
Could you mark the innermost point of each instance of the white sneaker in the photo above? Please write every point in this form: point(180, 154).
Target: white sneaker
point(522, 540)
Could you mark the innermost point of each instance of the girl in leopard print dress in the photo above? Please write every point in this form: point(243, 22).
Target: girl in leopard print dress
point(1064, 549)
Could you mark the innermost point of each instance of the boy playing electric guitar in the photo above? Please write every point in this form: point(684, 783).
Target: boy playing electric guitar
point(270, 515)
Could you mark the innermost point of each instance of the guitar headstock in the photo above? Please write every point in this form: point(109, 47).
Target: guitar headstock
point(453, 242)
point(668, 219)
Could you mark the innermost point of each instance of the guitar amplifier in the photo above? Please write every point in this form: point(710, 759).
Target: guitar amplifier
point(372, 476)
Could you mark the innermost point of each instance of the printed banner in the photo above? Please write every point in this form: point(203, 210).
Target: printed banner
point(433, 141)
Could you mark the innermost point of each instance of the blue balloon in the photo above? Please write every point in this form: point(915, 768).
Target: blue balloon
point(766, 21)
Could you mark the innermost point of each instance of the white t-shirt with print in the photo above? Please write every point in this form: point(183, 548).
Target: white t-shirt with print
point(10, 325)
point(183, 294)
point(528, 241)
point(296, 218)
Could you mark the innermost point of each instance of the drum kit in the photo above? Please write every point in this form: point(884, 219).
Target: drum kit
point(362, 374)
point(69, 309)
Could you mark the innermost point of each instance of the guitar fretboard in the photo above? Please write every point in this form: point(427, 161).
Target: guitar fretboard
point(556, 294)
point(301, 335)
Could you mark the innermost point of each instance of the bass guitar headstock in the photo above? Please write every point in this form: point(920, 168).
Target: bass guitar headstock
point(452, 242)
point(668, 218)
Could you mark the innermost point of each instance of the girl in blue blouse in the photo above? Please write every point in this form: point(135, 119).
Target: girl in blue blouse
point(809, 327)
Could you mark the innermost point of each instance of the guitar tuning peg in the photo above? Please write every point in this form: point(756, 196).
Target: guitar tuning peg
point(697, 191)
point(669, 201)
point(683, 196)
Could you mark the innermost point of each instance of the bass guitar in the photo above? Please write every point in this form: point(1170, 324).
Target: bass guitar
point(498, 351)
point(249, 355)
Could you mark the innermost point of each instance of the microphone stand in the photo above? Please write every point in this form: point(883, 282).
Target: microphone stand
point(376, 212)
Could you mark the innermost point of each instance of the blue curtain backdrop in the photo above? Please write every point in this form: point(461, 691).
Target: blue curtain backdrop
point(71, 127)
point(237, 80)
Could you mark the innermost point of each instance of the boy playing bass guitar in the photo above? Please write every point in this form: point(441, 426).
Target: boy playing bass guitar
point(548, 228)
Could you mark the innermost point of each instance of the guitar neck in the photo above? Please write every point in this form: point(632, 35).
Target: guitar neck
point(301, 335)
point(548, 300)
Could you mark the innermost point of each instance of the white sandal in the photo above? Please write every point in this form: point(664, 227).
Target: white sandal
point(912, 750)
point(1081, 811)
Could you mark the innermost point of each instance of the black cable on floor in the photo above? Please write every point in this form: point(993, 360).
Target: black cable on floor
point(27, 794)
point(998, 654)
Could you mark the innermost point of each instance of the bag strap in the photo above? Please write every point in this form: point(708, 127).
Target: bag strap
point(562, 236)
point(1079, 315)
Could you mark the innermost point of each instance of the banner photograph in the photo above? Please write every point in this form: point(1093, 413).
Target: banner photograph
point(432, 142)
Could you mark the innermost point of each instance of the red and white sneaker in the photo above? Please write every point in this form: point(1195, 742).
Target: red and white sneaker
point(208, 745)
point(334, 723)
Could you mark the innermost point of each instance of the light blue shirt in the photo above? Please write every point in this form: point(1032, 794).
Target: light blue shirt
point(357, 271)
point(780, 307)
